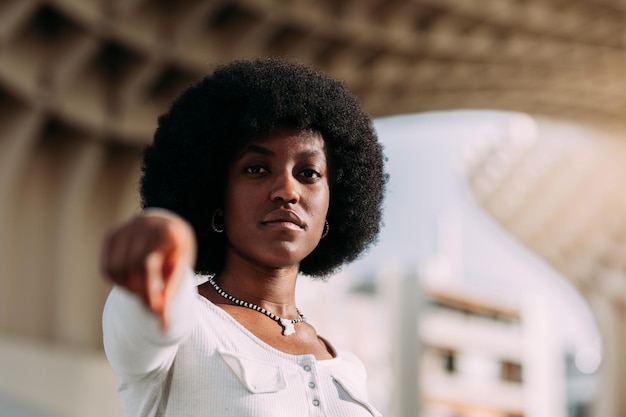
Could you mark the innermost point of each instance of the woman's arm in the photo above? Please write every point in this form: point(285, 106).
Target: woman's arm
point(148, 256)
point(151, 307)
point(134, 340)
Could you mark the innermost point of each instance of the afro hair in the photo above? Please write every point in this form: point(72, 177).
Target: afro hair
point(184, 169)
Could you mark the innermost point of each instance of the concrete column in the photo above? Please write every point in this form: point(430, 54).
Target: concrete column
point(609, 398)
point(19, 134)
point(408, 345)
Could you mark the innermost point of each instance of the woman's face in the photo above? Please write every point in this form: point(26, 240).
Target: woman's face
point(277, 198)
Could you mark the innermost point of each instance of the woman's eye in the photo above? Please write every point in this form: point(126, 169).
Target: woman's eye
point(255, 169)
point(310, 173)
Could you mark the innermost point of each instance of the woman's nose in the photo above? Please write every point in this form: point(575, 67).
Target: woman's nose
point(285, 189)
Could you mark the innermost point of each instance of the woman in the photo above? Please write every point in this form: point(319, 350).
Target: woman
point(263, 171)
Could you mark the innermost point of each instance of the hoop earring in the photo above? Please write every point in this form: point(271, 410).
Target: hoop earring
point(326, 229)
point(217, 212)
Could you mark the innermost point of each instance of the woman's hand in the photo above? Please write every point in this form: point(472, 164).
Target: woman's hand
point(148, 255)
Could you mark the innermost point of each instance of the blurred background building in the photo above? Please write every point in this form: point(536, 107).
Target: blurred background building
point(82, 83)
point(473, 354)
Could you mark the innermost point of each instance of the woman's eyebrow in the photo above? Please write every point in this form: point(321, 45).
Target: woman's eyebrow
point(252, 148)
point(257, 149)
point(310, 153)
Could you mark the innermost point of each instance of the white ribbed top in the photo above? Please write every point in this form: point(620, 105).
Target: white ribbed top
point(209, 365)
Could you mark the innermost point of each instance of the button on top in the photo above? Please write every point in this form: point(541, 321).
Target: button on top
point(311, 384)
point(316, 402)
point(307, 368)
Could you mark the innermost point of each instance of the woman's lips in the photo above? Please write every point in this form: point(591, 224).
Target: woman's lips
point(283, 218)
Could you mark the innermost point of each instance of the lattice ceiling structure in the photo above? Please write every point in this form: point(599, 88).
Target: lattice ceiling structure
point(110, 67)
point(82, 83)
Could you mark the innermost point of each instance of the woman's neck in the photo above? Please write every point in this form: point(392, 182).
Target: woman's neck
point(272, 289)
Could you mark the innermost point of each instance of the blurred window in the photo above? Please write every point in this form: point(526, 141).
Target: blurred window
point(511, 371)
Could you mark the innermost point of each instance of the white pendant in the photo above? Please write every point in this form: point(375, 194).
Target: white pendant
point(288, 328)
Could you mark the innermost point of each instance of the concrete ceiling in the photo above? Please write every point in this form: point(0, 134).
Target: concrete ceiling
point(110, 67)
point(559, 191)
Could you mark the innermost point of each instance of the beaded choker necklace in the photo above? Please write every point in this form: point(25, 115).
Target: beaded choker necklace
point(287, 325)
